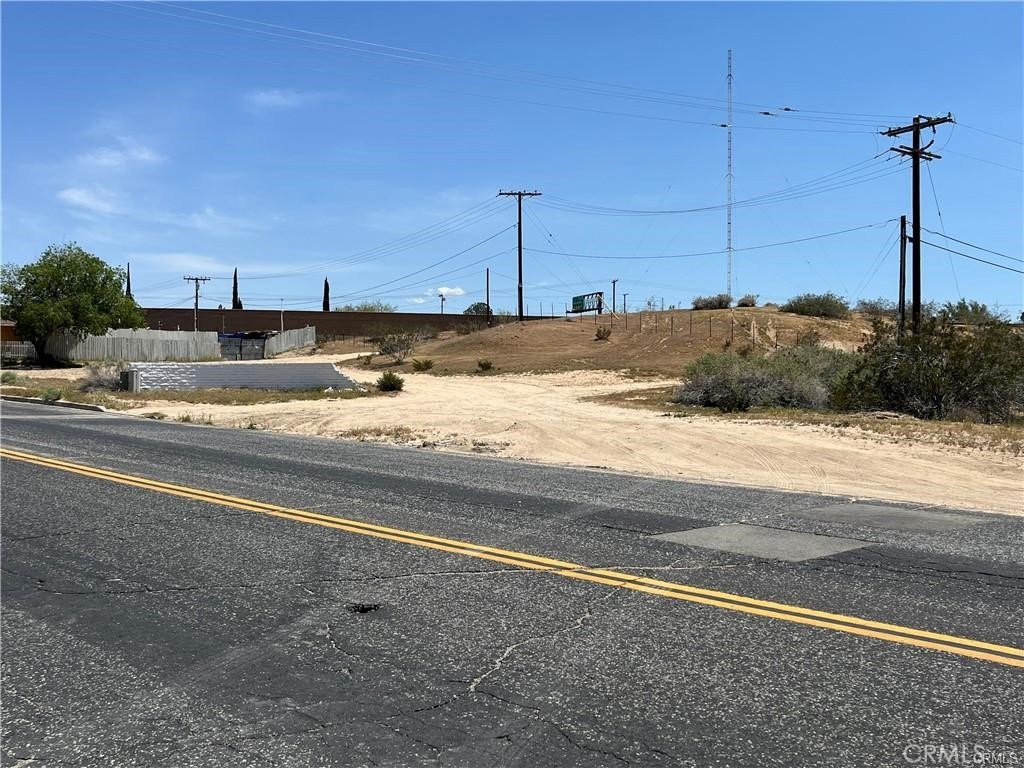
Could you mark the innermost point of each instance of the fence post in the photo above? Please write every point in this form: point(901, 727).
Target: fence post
point(690, 313)
point(672, 326)
point(709, 326)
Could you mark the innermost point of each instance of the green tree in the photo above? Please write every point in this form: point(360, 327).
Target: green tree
point(479, 308)
point(67, 289)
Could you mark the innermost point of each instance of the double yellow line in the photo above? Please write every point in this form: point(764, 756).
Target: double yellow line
point(962, 646)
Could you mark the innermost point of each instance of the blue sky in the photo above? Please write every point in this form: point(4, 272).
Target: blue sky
point(366, 142)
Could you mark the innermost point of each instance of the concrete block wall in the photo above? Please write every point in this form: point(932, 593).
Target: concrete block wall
point(240, 375)
point(242, 349)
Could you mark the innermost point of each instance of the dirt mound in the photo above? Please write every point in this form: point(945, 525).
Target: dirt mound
point(649, 343)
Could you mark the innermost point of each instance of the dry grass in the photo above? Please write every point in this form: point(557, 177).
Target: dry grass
point(999, 438)
point(662, 348)
point(123, 401)
point(392, 434)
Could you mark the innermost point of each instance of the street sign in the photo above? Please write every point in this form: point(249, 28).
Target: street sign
point(588, 302)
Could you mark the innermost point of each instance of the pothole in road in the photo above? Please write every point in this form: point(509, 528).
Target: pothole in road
point(362, 607)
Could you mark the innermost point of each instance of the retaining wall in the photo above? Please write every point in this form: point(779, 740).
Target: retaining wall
point(143, 376)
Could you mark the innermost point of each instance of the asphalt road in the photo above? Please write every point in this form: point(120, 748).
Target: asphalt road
point(142, 627)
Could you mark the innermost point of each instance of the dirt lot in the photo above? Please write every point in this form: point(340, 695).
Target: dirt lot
point(553, 418)
point(557, 395)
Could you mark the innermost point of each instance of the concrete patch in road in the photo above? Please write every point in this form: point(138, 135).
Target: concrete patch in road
point(896, 518)
point(757, 541)
point(642, 522)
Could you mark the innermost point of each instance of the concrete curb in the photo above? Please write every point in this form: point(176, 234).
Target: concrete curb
point(61, 403)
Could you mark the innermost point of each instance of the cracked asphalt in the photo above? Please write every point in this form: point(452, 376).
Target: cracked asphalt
point(143, 629)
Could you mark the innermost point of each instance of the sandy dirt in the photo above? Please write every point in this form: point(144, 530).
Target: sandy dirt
point(545, 418)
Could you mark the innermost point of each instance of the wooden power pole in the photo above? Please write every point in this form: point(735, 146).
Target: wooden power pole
point(917, 153)
point(195, 311)
point(519, 197)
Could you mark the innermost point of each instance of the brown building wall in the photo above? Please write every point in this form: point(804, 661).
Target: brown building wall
point(9, 332)
point(326, 323)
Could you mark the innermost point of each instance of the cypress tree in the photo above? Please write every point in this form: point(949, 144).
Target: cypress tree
point(236, 303)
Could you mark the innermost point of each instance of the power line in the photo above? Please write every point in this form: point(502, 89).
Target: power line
point(877, 262)
point(942, 226)
point(431, 266)
point(974, 258)
point(989, 133)
point(868, 170)
point(327, 41)
point(456, 223)
point(549, 236)
point(972, 245)
point(457, 272)
point(717, 253)
point(982, 160)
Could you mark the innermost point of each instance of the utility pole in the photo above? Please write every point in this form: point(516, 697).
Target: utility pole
point(903, 275)
point(441, 297)
point(917, 153)
point(728, 176)
point(487, 294)
point(624, 310)
point(613, 295)
point(195, 311)
point(282, 315)
point(519, 197)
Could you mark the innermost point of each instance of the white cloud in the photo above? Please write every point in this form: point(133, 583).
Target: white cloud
point(278, 98)
point(446, 291)
point(91, 200)
point(129, 152)
point(208, 220)
point(182, 261)
point(417, 300)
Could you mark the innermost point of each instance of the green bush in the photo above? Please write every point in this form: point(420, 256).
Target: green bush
point(398, 346)
point(800, 377)
point(603, 333)
point(422, 365)
point(484, 365)
point(968, 313)
point(464, 329)
point(100, 376)
point(749, 300)
point(8, 377)
point(939, 373)
point(51, 395)
point(390, 382)
point(721, 301)
point(876, 307)
point(817, 305)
